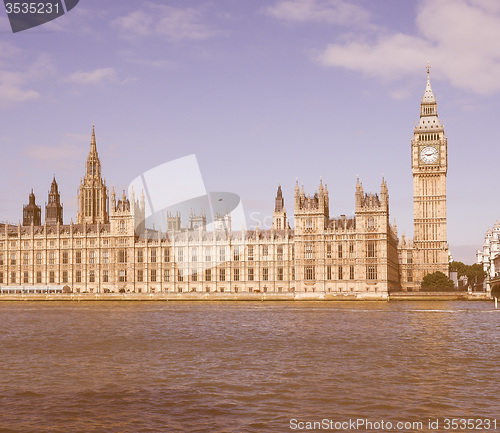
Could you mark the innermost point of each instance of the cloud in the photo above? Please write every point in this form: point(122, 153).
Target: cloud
point(329, 11)
point(65, 155)
point(15, 84)
point(96, 76)
point(173, 23)
point(459, 37)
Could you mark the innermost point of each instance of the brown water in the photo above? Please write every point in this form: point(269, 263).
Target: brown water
point(244, 367)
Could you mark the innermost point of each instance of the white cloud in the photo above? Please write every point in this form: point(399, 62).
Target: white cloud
point(329, 11)
point(65, 155)
point(459, 37)
point(15, 84)
point(96, 76)
point(160, 20)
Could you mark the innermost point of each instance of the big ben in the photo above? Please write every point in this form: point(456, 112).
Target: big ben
point(429, 159)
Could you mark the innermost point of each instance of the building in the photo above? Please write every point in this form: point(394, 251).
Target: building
point(489, 256)
point(109, 249)
point(428, 251)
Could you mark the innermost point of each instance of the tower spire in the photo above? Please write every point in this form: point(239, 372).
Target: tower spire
point(428, 97)
point(93, 147)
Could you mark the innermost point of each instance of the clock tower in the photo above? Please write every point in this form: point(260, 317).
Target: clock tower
point(429, 161)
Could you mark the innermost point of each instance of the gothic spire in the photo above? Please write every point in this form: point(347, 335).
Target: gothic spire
point(428, 97)
point(93, 147)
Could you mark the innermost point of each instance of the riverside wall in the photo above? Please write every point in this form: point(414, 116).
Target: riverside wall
point(216, 296)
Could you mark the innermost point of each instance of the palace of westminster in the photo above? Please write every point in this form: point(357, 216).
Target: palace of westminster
point(109, 249)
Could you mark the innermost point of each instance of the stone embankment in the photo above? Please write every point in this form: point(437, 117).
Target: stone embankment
point(395, 296)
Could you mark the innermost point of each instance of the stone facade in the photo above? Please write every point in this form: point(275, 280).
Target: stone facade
point(110, 250)
point(490, 251)
point(428, 251)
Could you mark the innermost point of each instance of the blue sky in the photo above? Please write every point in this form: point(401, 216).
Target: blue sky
point(262, 92)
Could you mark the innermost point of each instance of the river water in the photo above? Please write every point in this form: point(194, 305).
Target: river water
point(246, 367)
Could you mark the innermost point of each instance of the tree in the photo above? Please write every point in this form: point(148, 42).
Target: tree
point(437, 282)
point(474, 273)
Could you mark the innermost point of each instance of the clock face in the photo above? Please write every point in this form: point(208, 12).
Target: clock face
point(429, 155)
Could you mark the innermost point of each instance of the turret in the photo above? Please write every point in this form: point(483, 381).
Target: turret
point(279, 214)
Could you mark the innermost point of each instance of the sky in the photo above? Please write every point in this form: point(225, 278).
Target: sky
point(263, 93)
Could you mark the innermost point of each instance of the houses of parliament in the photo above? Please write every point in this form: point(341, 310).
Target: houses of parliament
point(109, 249)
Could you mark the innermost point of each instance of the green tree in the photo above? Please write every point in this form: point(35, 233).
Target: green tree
point(458, 267)
point(437, 282)
point(474, 273)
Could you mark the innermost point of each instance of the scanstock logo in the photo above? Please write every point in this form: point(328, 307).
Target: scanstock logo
point(24, 15)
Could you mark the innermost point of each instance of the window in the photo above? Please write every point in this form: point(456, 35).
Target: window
point(78, 276)
point(351, 272)
point(222, 255)
point(293, 252)
point(371, 223)
point(140, 256)
point(25, 278)
point(122, 276)
point(91, 276)
point(180, 254)
point(236, 254)
point(371, 272)
point(38, 258)
point(105, 257)
point(194, 277)
point(208, 274)
point(309, 272)
point(39, 277)
point(122, 256)
point(26, 259)
point(265, 250)
point(13, 278)
point(340, 251)
point(409, 274)
point(250, 274)
point(166, 275)
point(265, 274)
point(194, 255)
point(65, 277)
point(222, 275)
point(329, 251)
point(180, 275)
point(140, 276)
point(293, 274)
point(370, 249)
point(328, 272)
point(280, 252)
point(351, 250)
point(236, 275)
point(153, 275)
point(13, 259)
point(1, 277)
point(208, 255)
point(309, 251)
point(409, 257)
point(280, 274)
point(1, 259)
point(309, 223)
point(341, 276)
point(78, 257)
point(91, 256)
point(153, 256)
point(166, 255)
point(65, 257)
point(250, 253)
point(122, 226)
